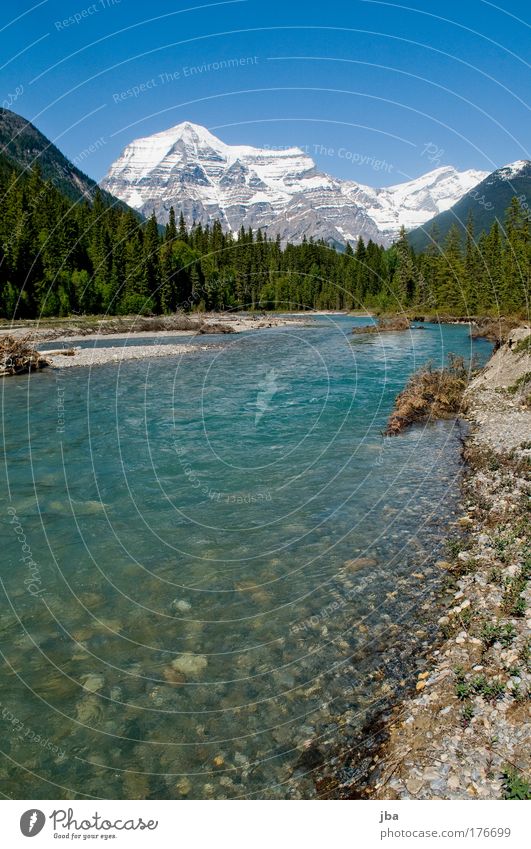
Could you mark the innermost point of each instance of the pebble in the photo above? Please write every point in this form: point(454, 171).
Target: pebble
point(190, 664)
point(93, 683)
point(183, 786)
point(413, 785)
point(181, 605)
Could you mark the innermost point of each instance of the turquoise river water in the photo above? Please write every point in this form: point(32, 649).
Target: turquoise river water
point(215, 563)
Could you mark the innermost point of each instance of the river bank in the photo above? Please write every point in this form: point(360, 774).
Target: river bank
point(118, 354)
point(74, 329)
point(67, 333)
point(466, 733)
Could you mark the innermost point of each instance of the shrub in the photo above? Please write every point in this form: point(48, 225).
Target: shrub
point(430, 393)
point(514, 786)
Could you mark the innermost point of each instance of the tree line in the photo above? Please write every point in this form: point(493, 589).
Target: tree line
point(59, 258)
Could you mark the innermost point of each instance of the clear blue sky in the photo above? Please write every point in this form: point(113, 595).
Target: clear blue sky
point(365, 87)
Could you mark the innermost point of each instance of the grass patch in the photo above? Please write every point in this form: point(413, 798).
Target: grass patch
point(490, 690)
point(523, 384)
point(525, 655)
point(512, 603)
point(477, 686)
point(523, 346)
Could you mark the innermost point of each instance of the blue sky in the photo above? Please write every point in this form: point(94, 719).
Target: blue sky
point(376, 92)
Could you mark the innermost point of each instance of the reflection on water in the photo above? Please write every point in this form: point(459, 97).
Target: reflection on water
point(209, 559)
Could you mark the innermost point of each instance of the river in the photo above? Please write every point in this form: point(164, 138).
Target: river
point(214, 563)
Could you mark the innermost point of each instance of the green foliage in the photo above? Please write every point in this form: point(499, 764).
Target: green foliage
point(58, 258)
point(503, 634)
point(521, 385)
point(513, 603)
point(490, 690)
point(477, 686)
point(467, 714)
point(523, 346)
point(514, 785)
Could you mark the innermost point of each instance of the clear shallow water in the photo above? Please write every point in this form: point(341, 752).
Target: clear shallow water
point(222, 560)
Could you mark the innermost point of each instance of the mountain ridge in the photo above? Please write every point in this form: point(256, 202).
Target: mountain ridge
point(282, 192)
point(487, 201)
point(22, 146)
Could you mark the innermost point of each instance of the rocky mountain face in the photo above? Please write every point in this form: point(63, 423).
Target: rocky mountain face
point(486, 201)
point(280, 191)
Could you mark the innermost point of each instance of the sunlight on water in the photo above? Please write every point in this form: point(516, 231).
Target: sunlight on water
point(210, 561)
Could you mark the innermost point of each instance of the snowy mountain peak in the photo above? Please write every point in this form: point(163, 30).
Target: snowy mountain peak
point(193, 134)
point(412, 203)
point(280, 191)
point(513, 168)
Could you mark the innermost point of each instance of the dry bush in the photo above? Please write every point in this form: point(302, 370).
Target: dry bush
point(168, 322)
point(430, 393)
point(496, 330)
point(385, 325)
point(216, 327)
point(18, 356)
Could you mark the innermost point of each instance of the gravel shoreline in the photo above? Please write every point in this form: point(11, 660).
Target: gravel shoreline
point(75, 330)
point(92, 356)
point(100, 356)
point(467, 732)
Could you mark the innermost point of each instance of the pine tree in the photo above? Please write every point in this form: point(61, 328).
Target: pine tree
point(171, 230)
point(404, 278)
point(182, 234)
point(514, 290)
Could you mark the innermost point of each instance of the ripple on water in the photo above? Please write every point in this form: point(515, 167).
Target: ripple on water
point(230, 561)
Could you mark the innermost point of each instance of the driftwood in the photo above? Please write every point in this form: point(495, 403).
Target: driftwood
point(18, 356)
point(62, 352)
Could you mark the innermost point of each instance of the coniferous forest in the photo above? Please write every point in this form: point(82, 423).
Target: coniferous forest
point(59, 258)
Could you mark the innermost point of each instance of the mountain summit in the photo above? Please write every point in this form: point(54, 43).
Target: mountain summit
point(280, 191)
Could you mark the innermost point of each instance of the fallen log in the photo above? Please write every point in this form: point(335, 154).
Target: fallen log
point(61, 352)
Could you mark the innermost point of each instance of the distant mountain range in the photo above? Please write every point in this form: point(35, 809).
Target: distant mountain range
point(22, 145)
point(280, 191)
point(486, 201)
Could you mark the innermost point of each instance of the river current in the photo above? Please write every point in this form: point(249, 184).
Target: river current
point(214, 563)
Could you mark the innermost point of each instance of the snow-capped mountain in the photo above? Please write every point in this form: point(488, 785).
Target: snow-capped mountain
point(485, 202)
point(280, 191)
point(412, 203)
